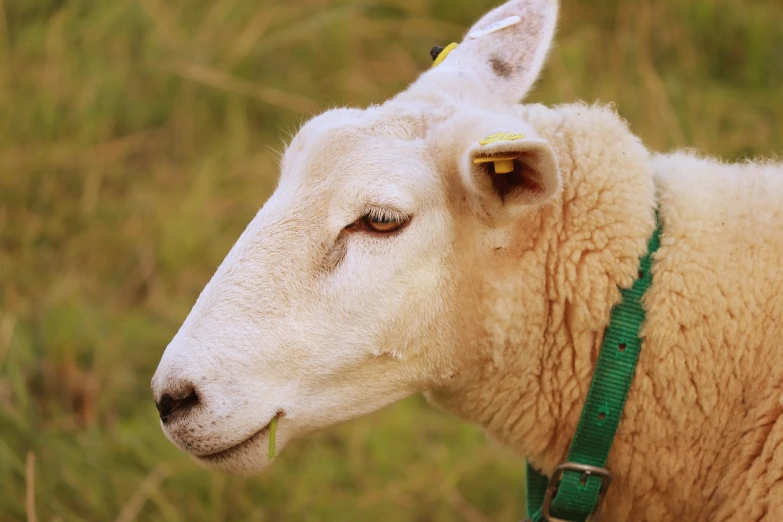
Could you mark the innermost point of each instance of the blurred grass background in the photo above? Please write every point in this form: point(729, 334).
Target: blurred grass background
point(137, 140)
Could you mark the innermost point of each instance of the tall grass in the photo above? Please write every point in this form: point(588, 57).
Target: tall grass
point(137, 139)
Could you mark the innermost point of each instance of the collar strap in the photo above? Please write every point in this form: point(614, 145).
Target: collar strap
point(577, 487)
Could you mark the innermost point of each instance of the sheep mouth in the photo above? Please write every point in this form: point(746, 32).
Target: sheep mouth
point(240, 446)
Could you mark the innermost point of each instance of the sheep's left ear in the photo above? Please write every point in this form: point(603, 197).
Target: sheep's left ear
point(509, 171)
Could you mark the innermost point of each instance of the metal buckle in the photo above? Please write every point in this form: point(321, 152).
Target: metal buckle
point(554, 483)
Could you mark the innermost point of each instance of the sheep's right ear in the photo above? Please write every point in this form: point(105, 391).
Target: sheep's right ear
point(509, 171)
point(499, 59)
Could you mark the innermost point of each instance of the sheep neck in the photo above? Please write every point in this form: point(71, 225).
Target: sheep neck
point(533, 308)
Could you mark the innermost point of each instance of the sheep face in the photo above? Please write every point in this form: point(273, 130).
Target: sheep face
point(339, 297)
point(331, 304)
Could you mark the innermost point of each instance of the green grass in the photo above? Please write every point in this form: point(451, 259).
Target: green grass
point(137, 139)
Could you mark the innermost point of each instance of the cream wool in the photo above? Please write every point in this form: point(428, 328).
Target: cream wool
point(701, 428)
point(491, 293)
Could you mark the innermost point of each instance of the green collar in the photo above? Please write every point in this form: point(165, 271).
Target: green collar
point(577, 487)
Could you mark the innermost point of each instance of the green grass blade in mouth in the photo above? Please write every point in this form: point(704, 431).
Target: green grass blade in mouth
point(272, 432)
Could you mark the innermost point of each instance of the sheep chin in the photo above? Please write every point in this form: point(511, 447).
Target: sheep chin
point(245, 459)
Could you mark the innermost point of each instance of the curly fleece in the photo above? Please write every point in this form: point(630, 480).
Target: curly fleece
point(702, 435)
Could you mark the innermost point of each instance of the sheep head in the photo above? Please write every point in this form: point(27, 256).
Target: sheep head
point(340, 296)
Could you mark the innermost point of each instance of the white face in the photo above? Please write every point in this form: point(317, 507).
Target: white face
point(322, 311)
point(338, 298)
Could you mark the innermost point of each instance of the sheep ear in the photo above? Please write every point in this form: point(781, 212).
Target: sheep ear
point(501, 56)
point(509, 171)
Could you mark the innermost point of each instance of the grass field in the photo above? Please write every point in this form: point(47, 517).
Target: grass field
point(138, 138)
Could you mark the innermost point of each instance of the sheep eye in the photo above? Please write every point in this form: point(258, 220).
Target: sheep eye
point(383, 225)
point(381, 221)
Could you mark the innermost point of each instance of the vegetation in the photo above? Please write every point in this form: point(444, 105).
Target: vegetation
point(138, 138)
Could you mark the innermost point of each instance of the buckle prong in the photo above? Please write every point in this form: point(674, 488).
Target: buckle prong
point(554, 483)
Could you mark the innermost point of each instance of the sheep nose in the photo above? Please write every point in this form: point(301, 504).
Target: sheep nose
point(168, 404)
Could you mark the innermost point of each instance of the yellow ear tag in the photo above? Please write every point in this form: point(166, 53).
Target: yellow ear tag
point(501, 136)
point(503, 164)
point(444, 53)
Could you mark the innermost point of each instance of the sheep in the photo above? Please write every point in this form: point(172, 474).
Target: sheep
point(393, 260)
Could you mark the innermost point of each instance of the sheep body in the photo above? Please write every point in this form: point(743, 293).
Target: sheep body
point(701, 437)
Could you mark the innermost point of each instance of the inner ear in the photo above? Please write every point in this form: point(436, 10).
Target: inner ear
point(509, 171)
point(522, 182)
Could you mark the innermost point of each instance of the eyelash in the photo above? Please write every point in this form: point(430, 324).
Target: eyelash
point(385, 215)
point(380, 215)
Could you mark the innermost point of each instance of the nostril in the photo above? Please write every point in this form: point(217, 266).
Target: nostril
point(168, 404)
